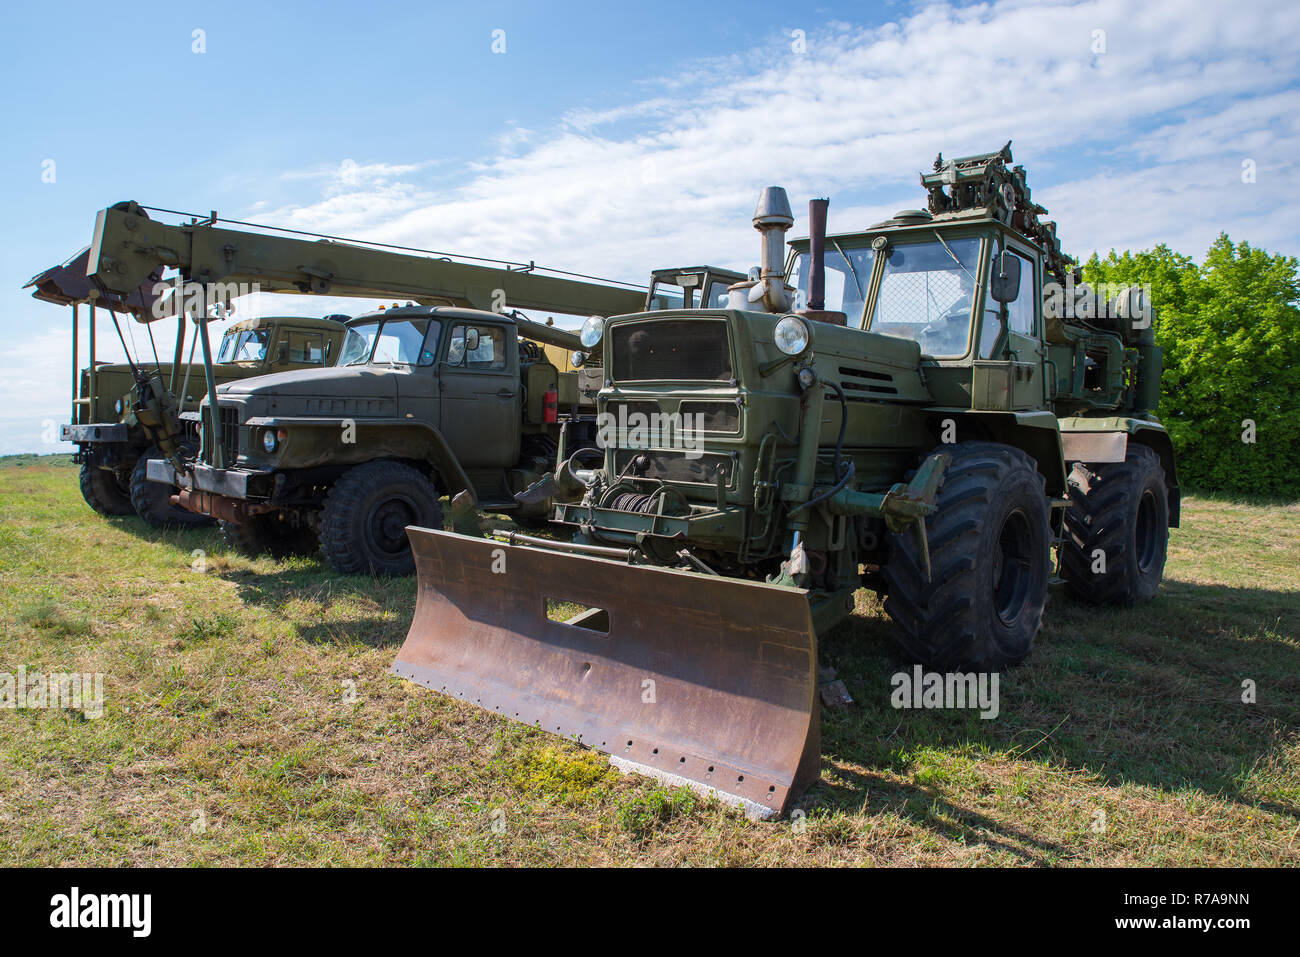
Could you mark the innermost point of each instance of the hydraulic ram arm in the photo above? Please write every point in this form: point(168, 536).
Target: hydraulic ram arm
point(128, 246)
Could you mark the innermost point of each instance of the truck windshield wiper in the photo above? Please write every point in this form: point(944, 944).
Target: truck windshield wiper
point(952, 254)
point(853, 272)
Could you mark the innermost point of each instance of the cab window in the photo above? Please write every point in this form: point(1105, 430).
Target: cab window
point(306, 348)
point(248, 345)
point(477, 347)
point(1020, 314)
point(403, 341)
point(927, 291)
point(848, 274)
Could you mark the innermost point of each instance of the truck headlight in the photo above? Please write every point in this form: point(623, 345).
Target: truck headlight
point(268, 441)
point(592, 330)
point(578, 359)
point(792, 335)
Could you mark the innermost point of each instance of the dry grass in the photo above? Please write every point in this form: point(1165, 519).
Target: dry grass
point(229, 737)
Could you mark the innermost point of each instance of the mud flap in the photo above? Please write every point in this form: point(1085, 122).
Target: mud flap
point(690, 678)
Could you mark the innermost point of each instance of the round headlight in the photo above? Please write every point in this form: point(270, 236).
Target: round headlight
point(578, 359)
point(592, 330)
point(792, 335)
point(268, 440)
point(119, 406)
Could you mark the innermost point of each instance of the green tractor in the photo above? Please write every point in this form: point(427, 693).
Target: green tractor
point(922, 408)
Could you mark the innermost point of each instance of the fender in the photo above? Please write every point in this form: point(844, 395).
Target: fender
point(1035, 433)
point(314, 442)
point(1083, 436)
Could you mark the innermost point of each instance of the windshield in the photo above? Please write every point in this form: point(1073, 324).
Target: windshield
point(848, 274)
point(404, 341)
point(666, 294)
point(926, 293)
point(246, 346)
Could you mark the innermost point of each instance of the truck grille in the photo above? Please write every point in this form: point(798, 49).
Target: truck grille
point(229, 434)
point(692, 350)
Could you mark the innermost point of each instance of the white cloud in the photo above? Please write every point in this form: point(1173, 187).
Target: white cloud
point(865, 109)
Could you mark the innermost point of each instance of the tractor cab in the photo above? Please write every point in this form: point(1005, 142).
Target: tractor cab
point(690, 287)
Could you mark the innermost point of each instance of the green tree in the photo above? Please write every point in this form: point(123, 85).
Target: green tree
point(1230, 330)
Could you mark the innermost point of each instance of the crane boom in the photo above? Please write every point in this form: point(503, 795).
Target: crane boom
point(128, 246)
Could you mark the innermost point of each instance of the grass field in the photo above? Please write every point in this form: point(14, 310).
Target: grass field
point(249, 719)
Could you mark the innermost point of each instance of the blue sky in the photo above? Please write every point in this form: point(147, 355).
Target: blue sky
point(612, 138)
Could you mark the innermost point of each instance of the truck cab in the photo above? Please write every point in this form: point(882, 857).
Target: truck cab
point(114, 431)
point(422, 402)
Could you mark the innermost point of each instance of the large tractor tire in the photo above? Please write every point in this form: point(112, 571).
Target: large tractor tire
point(990, 557)
point(103, 492)
point(363, 523)
point(269, 535)
point(152, 500)
point(1116, 529)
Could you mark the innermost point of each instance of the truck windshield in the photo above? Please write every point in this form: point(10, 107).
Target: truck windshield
point(404, 341)
point(848, 274)
point(926, 293)
point(248, 345)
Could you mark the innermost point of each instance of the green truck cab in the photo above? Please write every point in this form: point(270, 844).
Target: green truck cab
point(114, 432)
point(424, 401)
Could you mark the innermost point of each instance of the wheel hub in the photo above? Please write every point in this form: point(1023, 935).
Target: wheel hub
point(388, 525)
point(1012, 567)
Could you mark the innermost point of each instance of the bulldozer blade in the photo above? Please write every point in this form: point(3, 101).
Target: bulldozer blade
point(693, 679)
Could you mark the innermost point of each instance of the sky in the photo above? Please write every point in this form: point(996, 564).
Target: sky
point(615, 138)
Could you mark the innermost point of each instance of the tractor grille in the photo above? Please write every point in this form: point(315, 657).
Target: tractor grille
point(691, 350)
point(705, 416)
point(682, 467)
point(714, 416)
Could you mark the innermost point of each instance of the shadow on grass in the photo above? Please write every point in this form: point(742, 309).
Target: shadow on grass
point(1149, 695)
point(326, 607)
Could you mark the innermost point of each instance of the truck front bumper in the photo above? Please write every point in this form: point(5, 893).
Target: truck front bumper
point(101, 432)
point(219, 493)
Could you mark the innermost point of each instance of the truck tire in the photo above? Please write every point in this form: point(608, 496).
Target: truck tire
point(269, 535)
point(363, 523)
point(102, 491)
point(990, 556)
point(1116, 529)
point(152, 499)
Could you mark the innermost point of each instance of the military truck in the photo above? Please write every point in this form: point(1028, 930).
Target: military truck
point(125, 413)
point(891, 408)
point(424, 402)
point(114, 441)
point(451, 394)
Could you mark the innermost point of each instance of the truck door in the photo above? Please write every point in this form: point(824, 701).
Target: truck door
point(1019, 381)
point(480, 410)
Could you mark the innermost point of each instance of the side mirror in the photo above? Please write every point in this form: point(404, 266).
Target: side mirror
point(1004, 284)
point(471, 340)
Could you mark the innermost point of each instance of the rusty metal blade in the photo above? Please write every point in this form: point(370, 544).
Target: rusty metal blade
point(694, 678)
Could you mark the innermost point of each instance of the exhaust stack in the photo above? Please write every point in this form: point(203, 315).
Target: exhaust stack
point(772, 218)
point(817, 266)
point(817, 254)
